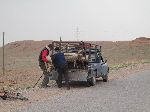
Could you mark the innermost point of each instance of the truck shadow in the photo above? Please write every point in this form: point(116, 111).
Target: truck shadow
point(83, 84)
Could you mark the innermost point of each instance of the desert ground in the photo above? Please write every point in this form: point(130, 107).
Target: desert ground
point(22, 71)
point(21, 59)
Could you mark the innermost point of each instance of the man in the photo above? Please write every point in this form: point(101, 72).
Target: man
point(44, 60)
point(61, 66)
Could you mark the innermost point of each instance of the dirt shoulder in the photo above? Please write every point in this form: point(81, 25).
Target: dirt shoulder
point(37, 94)
point(125, 71)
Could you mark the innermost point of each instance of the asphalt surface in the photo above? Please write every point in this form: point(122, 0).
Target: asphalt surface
point(128, 94)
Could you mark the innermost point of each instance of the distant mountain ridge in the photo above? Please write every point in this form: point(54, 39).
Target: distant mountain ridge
point(142, 39)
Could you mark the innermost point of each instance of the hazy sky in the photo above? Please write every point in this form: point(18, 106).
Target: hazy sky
point(95, 19)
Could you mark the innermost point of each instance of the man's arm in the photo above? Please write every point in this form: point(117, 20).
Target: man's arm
point(54, 61)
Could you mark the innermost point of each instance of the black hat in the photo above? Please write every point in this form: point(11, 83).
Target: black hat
point(50, 46)
point(57, 49)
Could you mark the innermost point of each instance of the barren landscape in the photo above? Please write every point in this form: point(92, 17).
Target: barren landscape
point(21, 59)
point(106, 62)
point(22, 71)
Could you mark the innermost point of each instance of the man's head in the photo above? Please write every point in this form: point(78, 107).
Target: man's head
point(57, 49)
point(50, 46)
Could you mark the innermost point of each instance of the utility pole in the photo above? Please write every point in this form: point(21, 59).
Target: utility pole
point(60, 44)
point(77, 34)
point(3, 56)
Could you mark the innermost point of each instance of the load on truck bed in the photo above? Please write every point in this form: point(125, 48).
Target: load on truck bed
point(85, 61)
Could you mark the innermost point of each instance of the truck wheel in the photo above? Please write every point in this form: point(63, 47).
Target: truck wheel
point(93, 81)
point(88, 84)
point(105, 79)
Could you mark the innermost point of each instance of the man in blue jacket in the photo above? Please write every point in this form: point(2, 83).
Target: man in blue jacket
point(61, 66)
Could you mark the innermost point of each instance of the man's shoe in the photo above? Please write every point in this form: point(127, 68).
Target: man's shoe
point(45, 86)
point(68, 88)
point(59, 86)
point(48, 86)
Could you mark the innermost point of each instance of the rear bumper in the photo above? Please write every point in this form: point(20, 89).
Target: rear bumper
point(73, 75)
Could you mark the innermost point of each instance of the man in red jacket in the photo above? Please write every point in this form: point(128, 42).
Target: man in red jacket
point(43, 63)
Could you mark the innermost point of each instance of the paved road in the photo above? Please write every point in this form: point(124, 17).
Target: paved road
point(129, 94)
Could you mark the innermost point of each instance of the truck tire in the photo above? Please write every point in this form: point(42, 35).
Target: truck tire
point(88, 84)
point(105, 79)
point(91, 81)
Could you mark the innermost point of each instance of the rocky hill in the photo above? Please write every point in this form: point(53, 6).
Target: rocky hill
point(142, 39)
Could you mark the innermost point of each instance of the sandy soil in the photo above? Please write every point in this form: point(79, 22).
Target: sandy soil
point(38, 94)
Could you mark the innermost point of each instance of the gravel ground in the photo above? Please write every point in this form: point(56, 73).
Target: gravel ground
point(53, 93)
point(128, 94)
